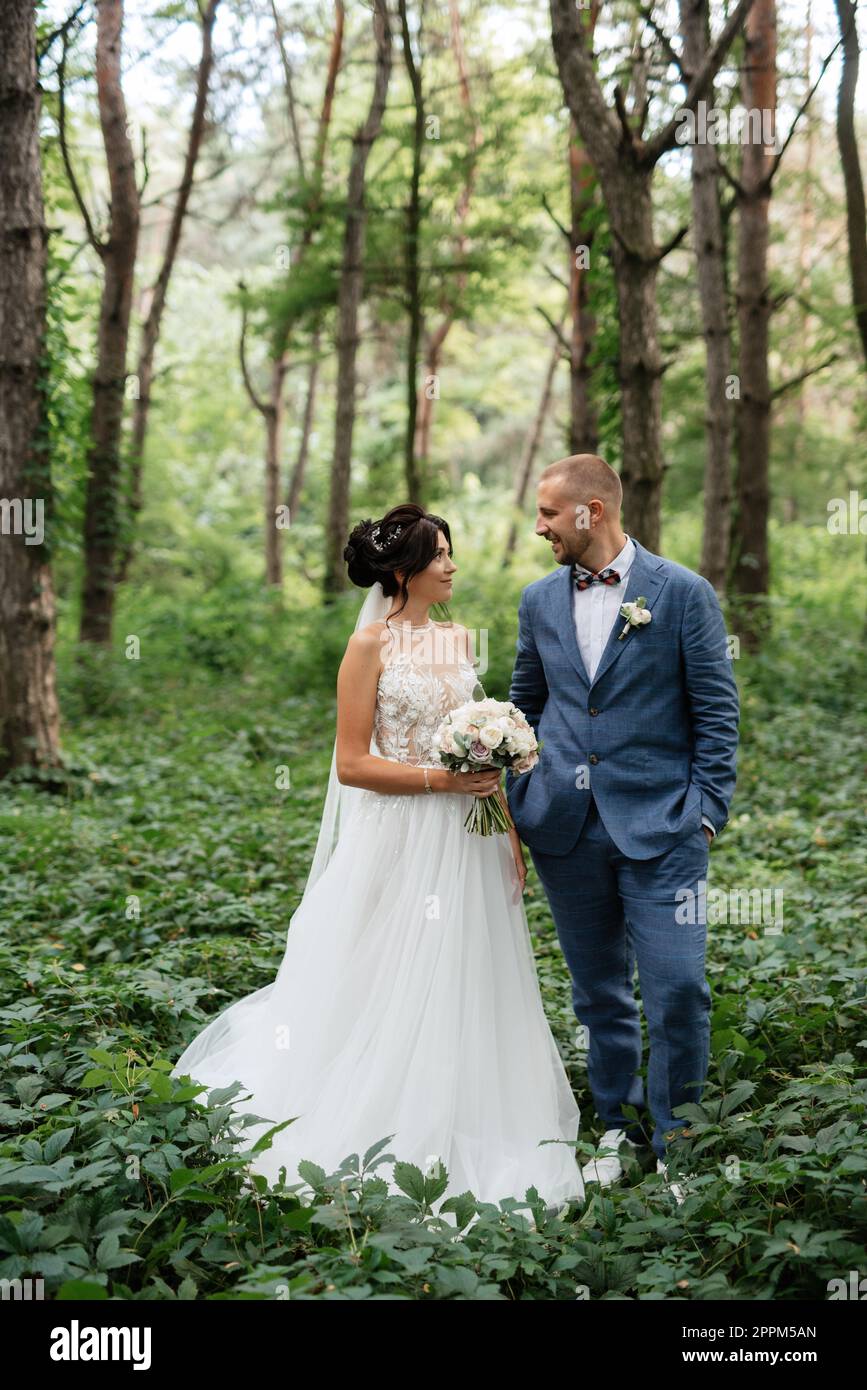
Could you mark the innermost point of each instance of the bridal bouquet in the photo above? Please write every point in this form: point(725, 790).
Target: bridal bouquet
point(483, 734)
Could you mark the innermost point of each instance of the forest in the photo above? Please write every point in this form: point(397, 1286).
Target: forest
point(271, 267)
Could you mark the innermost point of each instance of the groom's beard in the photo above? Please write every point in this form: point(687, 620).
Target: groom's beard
point(570, 550)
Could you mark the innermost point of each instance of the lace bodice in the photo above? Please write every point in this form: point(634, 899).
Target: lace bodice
point(425, 673)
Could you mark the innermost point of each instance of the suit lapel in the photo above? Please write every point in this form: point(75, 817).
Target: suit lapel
point(643, 578)
point(564, 620)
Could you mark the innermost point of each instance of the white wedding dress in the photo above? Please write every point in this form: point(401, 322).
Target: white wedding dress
point(407, 1002)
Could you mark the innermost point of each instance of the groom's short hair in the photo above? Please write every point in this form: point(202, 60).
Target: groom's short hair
point(586, 476)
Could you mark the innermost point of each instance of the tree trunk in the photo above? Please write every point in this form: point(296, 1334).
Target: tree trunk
point(806, 331)
point(624, 163)
point(273, 486)
point(348, 300)
point(436, 339)
point(583, 431)
point(118, 254)
point(532, 441)
point(751, 565)
point(273, 408)
point(426, 397)
point(297, 480)
point(856, 214)
point(29, 717)
point(153, 322)
point(414, 484)
point(635, 259)
point(709, 246)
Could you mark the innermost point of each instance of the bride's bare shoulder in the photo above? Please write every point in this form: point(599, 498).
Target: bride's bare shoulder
point(371, 629)
point(367, 640)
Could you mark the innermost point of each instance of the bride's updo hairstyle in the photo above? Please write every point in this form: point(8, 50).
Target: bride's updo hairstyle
point(404, 539)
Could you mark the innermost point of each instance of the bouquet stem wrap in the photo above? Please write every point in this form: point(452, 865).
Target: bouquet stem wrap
point(487, 816)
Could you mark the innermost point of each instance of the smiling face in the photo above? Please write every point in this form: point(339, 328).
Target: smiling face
point(568, 524)
point(434, 583)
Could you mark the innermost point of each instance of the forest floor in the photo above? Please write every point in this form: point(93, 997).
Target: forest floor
point(154, 884)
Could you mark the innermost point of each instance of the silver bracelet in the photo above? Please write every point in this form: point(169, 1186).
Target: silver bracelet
point(427, 785)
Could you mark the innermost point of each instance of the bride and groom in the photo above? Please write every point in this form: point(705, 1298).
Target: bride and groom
point(407, 1002)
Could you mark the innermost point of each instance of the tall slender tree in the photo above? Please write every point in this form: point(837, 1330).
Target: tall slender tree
point(436, 336)
point(750, 556)
point(156, 298)
point(625, 161)
point(117, 252)
point(583, 427)
point(272, 407)
point(29, 718)
point(412, 270)
point(533, 438)
point(710, 257)
point(847, 141)
point(348, 301)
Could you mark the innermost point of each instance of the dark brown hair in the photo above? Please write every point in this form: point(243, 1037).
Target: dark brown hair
point(404, 539)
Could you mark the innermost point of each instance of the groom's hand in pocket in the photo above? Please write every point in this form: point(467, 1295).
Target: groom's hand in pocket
point(708, 834)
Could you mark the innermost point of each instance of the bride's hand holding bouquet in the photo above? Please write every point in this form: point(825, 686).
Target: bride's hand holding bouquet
point(487, 735)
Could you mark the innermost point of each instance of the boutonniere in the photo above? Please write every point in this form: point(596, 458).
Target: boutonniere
point(636, 615)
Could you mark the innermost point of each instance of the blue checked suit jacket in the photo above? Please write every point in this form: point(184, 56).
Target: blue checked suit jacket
point(654, 734)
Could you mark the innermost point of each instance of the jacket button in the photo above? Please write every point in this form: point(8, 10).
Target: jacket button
point(594, 711)
point(593, 758)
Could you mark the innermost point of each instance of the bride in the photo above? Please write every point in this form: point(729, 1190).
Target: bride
point(407, 1003)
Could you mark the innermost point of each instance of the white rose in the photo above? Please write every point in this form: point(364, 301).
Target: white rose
point(490, 736)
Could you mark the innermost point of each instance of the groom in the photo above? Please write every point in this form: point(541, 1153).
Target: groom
point(633, 782)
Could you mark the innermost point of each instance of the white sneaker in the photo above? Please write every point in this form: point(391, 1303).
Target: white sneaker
point(675, 1188)
point(606, 1168)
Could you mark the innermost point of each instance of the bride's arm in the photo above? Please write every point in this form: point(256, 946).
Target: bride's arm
point(356, 702)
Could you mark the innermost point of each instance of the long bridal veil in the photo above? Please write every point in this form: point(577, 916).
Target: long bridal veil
point(340, 801)
point(220, 1047)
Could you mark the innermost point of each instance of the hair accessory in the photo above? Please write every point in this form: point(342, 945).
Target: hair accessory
point(383, 545)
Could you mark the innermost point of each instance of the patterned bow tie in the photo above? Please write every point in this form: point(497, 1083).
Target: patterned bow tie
point(585, 578)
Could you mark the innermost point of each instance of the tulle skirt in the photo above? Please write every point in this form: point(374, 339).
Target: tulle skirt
point(407, 1004)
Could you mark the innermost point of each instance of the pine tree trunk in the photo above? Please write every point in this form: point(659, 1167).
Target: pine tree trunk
point(29, 716)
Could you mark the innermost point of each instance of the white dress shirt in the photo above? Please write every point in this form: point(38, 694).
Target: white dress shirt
point(596, 609)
